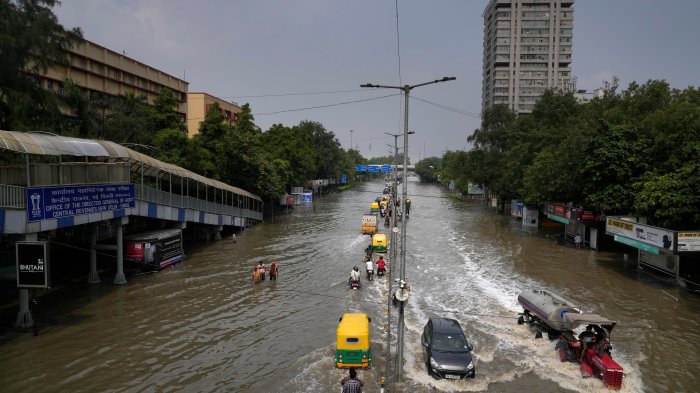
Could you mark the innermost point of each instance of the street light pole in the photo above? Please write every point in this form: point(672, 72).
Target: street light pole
point(351, 131)
point(402, 284)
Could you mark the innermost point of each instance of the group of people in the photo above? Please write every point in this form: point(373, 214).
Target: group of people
point(369, 268)
point(259, 271)
point(387, 211)
point(591, 339)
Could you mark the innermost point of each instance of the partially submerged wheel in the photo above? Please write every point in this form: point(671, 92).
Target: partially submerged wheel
point(521, 320)
point(538, 334)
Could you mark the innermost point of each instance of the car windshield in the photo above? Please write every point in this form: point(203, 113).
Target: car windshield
point(452, 342)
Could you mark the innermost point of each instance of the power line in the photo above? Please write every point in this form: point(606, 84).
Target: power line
point(295, 94)
point(398, 39)
point(323, 106)
point(448, 108)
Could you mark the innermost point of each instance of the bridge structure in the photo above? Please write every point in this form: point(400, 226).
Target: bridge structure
point(57, 187)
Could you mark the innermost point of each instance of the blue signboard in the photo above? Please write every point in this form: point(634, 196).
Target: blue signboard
point(386, 168)
point(374, 168)
point(361, 168)
point(46, 203)
point(343, 179)
point(307, 197)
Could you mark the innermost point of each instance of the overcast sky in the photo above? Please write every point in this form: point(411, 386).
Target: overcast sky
point(268, 52)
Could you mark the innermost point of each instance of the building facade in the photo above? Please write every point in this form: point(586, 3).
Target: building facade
point(527, 49)
point(198, 106)
point(99, 71)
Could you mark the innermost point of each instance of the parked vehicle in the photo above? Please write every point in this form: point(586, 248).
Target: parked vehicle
point(374, 207)
point(353, 342)
point(154, 250)
point(447, 352)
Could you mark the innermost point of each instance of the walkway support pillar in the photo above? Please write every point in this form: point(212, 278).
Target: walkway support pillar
point(120, 279)
point(93, 277)
point(24, 316)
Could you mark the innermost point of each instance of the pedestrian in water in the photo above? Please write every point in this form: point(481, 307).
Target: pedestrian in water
point(273, 271)
point(578, 240)
point(256, 275)
point(261, 270)
point(352, 384)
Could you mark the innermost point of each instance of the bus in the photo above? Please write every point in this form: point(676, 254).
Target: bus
point(154, 250)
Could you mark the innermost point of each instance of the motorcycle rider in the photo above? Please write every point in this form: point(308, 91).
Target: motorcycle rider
point(369, 266)
point(380, 265)
point(355, 276)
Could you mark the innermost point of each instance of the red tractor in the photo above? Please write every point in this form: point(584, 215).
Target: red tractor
point(557, 317)
point(592, 352)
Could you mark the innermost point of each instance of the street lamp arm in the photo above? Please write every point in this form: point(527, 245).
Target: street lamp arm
point(445, 79)
point(382, 86)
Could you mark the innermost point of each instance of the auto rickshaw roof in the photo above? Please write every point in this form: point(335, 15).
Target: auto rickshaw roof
point(378, 236)
point(354, 325)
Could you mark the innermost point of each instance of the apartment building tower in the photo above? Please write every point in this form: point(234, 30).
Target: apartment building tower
point(527, 49)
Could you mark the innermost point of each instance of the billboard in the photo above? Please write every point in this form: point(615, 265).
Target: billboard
point(45, 203)
point(688, 241)
point(374, 168)
point(658, 237)
point(307, 197)
point(361, 168)
point(32, 260)
point(386, 168)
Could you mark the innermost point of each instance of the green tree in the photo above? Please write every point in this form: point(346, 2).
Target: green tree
point(428, 169)
point(31, 42)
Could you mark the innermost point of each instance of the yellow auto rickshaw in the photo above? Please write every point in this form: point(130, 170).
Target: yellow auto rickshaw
point(374, 207)
point(379, 242)
point(352, 342)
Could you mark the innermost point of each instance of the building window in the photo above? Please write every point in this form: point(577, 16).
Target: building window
point(534, 31)
point(535, 23)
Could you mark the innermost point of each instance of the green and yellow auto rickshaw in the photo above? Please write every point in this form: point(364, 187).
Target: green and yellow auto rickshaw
point(379, 242)
point(352, 342)
point(374, 207)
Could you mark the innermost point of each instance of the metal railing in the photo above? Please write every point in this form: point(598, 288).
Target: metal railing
point(14, 197)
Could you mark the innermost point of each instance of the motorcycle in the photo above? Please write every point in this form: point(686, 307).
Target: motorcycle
point(370, 273)
point(381, 272)
point(355, 284)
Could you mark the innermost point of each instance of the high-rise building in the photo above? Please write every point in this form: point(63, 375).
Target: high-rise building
point(527, 49)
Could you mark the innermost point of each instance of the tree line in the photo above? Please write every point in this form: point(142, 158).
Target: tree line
point(634, 152)
point(267, 163)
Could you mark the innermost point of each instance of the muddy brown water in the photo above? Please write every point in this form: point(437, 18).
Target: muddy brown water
point(203, 326)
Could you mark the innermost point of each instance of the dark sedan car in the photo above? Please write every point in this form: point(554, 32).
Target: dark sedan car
point(447, 352)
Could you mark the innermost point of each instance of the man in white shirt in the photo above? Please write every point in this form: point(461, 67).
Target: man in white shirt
point(369, 266)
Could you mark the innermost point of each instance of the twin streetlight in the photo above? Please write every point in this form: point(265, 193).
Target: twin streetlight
point(406, 91)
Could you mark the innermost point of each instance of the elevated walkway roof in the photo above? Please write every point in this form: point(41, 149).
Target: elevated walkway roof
point(43, 143)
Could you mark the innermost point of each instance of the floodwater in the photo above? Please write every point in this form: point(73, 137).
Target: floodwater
point(203, 326)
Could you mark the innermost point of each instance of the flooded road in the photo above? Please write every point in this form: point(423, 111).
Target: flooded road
point(204, 327)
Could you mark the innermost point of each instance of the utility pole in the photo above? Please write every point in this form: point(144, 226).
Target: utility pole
point(351, 131)
point(402, 292)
